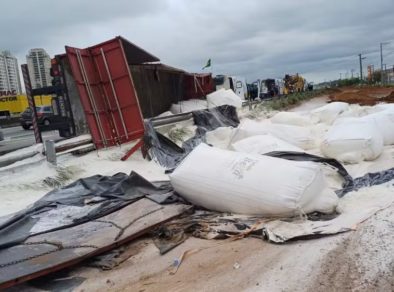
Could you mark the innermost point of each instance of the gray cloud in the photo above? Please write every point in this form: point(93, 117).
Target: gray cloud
point(251, 38)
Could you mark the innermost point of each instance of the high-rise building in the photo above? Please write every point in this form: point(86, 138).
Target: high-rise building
point(39, 64)
point(9, 73)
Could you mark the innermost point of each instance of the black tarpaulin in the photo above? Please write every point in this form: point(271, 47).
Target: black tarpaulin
point(168, 154)
point(83, 200)
point(368, 180)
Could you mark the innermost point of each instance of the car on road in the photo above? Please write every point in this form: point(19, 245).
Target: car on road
point(45, 116)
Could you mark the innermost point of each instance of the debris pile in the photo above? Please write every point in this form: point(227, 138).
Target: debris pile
point(279, 179)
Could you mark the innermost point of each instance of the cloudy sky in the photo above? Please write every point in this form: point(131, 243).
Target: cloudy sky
point(253, 38)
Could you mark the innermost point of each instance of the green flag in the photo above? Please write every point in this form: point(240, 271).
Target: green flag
point(207, 65)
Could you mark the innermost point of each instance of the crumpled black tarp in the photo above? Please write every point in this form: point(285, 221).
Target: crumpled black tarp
point(168, 154)
point(302, 156)
point(368, 180)
point(221, 116)
point(96, 196)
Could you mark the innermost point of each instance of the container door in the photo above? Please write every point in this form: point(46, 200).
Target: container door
point(107, 93)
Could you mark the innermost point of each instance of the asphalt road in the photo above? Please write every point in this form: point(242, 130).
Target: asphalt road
point(16, 138)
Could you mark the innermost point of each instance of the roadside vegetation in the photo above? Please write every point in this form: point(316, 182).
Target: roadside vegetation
point(287, 101)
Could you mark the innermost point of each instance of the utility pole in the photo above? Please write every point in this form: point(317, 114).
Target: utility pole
point(381, 62)
point(340, 76)
point(352, 70)
point(361, 58)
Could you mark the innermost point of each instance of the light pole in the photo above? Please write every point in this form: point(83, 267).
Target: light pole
point(361, 58)
point(381, 61)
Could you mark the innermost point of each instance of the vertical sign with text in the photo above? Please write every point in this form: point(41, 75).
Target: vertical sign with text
point(32, 104)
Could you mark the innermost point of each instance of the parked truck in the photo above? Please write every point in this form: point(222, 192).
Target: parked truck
point(268, 88)
point(235, 83)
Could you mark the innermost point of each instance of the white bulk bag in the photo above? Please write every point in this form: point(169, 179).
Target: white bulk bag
point(352, 140)
point(262, 144)
point(223, 97)
point(384, 121)
point(220, 137)
point(301, 137)
point(290, 118)
point(329, 112)
point(187, 106)
point(384, 106)
point(236, 182)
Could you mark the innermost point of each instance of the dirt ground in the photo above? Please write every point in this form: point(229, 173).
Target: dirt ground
point(363, 95)
point(355, 261)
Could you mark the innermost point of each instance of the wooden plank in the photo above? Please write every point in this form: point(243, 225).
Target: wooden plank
point(137, 146)
point(95, 237)
point(67, 146)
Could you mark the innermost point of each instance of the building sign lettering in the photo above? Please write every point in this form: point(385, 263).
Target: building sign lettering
point(7, 92)
point(8, 98)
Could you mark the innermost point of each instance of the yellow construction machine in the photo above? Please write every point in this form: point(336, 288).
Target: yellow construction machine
point(293, 83)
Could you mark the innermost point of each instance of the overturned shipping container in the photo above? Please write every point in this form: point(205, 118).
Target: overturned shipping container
point(120, 84)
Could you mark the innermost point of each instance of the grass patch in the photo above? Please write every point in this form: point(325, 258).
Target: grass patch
point(63, 175)
point(291, 100)
point(178, 134)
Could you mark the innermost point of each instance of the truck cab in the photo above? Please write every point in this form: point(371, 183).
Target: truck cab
point(235, 83)
point(267, 88)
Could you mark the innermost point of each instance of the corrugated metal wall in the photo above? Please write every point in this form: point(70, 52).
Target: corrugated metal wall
point(157, 88)
point(197, 85)
point(81, 125)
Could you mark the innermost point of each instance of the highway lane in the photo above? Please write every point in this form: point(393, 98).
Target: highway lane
point(16, 138)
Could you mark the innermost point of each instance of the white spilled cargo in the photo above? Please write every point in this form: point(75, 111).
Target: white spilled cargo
point(352, 140)
point(220, 137)
point(235, 182)
point(290, 118)
point(301, 137)
point(223, 97)
point(329, 113)
point(262, 144)
point(384, 106)
point(384, 121)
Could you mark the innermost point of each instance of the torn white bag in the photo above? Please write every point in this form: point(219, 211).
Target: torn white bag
point(262, 144)
point(229, 181)
point(384, 121)
point(329, 112)
point(290, 118)
point(301, 137)
point(352, 140)
point(223, 97)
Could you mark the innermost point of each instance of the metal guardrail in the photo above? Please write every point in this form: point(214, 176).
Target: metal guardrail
point(160, 121)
